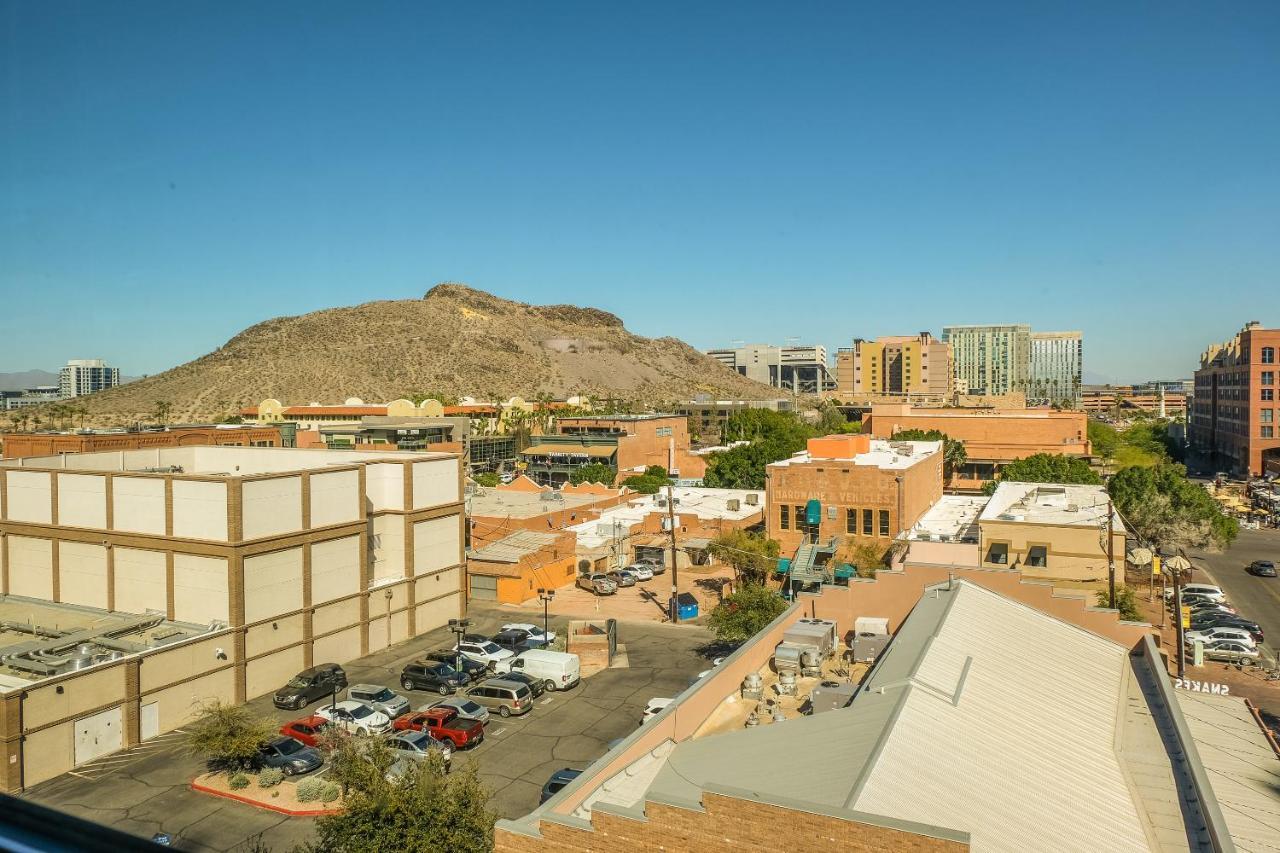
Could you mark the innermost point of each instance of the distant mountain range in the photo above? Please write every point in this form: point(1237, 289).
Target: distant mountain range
point(24, 379)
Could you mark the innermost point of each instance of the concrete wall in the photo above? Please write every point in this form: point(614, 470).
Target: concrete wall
point(82, 574)
point(200, 510)
point(435, 483)
point(335, 569)
point(200, 593)
point(138, 504)
point(335, 498)
point(28, 496)
point(271, 507)
point(436, 544)
point(384, 486)
point(82, 500)
point(1073, 553)
point(141, 580)
point(272, 584)
point(387, 544)
point(30, 567)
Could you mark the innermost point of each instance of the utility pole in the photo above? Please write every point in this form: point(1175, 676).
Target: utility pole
point(1111, 555)
point(1177, 615)
point(675, 578)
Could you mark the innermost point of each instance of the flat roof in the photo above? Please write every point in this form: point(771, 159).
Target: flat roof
point(1063, 504)
point(702, 502)
point(887, 455)
point(515, 504)
point(954, 518)
point(513, 548)
point(211, 461)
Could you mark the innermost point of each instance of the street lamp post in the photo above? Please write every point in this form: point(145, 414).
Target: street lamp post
point(458, 627)
point(545, 596)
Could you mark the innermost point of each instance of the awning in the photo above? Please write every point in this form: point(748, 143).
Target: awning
point(597, 451)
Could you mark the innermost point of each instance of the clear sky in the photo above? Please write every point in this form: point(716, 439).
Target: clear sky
point(171, 173)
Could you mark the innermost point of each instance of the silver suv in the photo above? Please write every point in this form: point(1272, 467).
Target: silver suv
point(597, 582)
point(380, 699)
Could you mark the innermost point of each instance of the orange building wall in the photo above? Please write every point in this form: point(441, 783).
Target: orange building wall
point(990, 434)
point(18, 445)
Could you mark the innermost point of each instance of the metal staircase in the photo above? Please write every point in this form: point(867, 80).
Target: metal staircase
point(804, 567)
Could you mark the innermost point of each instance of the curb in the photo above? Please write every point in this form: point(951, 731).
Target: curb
point(249, 801)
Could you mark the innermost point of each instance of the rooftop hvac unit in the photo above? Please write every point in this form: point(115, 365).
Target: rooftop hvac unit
point(662, 502)
point(753, 499)
point(1073, 507)
point(733, 504)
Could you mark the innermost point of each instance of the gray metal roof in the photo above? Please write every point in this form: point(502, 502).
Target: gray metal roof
point(511, 549)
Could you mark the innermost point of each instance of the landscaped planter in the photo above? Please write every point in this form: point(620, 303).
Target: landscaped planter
point(285, 800)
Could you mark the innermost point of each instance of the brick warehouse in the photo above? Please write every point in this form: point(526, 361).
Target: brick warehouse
point(1235, 416)
point(264, 560)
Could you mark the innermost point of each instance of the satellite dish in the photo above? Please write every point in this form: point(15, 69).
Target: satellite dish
point(1140, 556)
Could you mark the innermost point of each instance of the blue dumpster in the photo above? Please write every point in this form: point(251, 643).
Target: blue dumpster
point(845, 571)
point(784, 566)
point(813, 513)
point(687, 606)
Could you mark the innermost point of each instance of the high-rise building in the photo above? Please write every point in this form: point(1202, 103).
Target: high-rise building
point(1235, 415)
point(1057, 369)
point(897, 365)
point(799, 369)
point(83, 376)
point(990, 359)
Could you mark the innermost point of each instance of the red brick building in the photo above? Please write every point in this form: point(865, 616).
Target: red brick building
point(1235, 416)
point(18, 445)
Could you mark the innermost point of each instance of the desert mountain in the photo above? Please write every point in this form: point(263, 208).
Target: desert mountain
point(455, 340)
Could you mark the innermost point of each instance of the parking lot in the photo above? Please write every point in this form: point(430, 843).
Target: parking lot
point(145, 791)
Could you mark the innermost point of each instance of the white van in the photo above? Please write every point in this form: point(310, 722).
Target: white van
point(556, 670)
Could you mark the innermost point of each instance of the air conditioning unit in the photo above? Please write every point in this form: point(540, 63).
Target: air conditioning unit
point(753, 499)
point(733, 504)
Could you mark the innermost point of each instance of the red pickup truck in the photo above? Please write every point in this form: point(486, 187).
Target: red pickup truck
point(443, 724)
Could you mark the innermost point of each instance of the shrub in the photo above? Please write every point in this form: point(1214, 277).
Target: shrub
point(270, 777)
point(309, 790)
point(330, 792)
point(238, 781)
point(229, 737)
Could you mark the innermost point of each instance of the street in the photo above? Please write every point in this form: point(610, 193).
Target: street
point(1256, 598)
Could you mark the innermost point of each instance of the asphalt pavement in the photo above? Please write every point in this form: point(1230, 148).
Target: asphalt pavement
point(145, 790)
point(1257, 599)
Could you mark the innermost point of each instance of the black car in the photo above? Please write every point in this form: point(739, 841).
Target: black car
point(1263, 568)
point(290, 755)
point(536, 685)
point(432, 675)
point(518, 639)
point(309, 685)
point(557, 781)
point(473, 670)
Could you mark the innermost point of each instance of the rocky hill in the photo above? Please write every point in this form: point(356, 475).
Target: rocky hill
point(455, 340)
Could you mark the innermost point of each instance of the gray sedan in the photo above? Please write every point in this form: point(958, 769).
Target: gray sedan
point(291, 756)
point(416, 746)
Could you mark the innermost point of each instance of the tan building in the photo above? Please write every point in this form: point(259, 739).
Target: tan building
point(894, 366)
point(991, 437)
point(283, 557)
point(851, 487)
point(627, 443)
point(21, 444)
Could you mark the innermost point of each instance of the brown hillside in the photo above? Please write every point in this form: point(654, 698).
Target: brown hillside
point(455, 340)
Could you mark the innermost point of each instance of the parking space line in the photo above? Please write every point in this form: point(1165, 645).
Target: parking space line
point(494, 733)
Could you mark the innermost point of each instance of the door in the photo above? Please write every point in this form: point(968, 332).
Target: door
point(149, 721)
point(484, 588)
point(98, 735)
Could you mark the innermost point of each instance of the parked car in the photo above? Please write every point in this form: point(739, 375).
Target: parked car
point(654, 708)
point(548, 637)
point(355, 717)
point(309, 730)
point(658, 564)
point(506, 697)
point(642, 571)
point(432, 675)
point(555, 670)
point(517, 640)
point(290, 755)
point(464, 706)
point(1231, 651)
point(379, 698)
point(536, 687)
point(417, 746)
point(1212, 608)
point(1226, 620)
point(598, 583)
point(557, 781)
point(1263, 568)
point(486, 652)
point(1209, 635)
point(621, 577)
point(444, 723)
point(472, 670)
point(1196, 589)
point(310, 685)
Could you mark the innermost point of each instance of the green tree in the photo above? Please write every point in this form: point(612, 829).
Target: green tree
point(953, 453)
point(1104, 438)
point(654, 478)
point(163, 408)
point(1126, 603)
point(228, 737)
point(831, 421)
point(1046, 468)
point(423, 809)
point(745, 613)
point(487, 478)
point(867, 558)
point(1166, 509)
point(773, 436)
point(752, 556)
point(594, 473)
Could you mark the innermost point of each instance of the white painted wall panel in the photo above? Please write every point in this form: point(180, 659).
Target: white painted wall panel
point(272, 584)
point(337, 648)
point(31, 567)
point(335, 569)
point(82, 500)
point(271, 672)
point(140, 580)
point(138, 504)
point(200, 510)
point(82, 573)
point(435, 483)
point(272, 507)
point(435, 614)
point(387, 545)
point(181, 703)
point(335, 498)
point(437, 543)
point(384, 485)
point(30, 496)
point(199, 589)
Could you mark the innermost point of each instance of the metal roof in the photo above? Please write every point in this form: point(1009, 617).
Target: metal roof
point(511, 549)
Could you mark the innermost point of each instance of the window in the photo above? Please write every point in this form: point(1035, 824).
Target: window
point(1268, 377)
point(1038, 556)
point(1265, 415)
point(867, 522)
point(998, 553)
point(784, 517)
point(851, 521)
point(1268, 394)
point(1268, 355)
point(798, 513)
point(1268, 432)
point(884, 522)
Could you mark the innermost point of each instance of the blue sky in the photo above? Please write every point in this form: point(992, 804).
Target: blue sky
point(171, 173)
